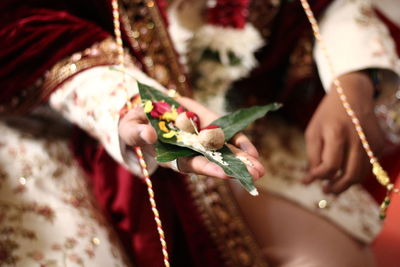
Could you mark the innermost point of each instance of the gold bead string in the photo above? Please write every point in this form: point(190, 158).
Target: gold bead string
point(138, 150)
point(380, 174)
point(120, 46)
point(153, 205)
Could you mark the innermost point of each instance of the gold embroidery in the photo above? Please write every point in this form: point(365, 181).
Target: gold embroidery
point(224, 222)
point(26, 217)
point(149, 36)
point(102, 53)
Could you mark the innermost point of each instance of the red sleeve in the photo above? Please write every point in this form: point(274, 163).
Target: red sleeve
point(33, 39)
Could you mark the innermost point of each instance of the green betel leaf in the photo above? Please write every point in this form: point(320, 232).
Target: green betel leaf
point(167, 152)
point(235, 168)
point(169, 148)
point(241, 119)
point(149, 93)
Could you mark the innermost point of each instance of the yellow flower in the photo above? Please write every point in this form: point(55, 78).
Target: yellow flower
point(148, 106)
point(170, 134)
point(163, 126)
point(170, 115)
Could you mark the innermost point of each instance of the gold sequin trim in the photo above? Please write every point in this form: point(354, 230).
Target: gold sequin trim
point(102, 53)
point(148, 35)
point(221, 216)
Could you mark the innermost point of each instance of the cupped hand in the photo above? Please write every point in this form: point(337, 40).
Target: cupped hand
point(134, 130)
point(334, 149)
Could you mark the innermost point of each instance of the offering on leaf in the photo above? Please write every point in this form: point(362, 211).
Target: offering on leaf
point(180, 135)
point(212, 137)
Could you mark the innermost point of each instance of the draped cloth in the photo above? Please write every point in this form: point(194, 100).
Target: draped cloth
point(36, 34)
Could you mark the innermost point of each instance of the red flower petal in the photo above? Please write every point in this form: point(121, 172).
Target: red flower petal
point(155, 114)
point(194, 117)
point(180, 109)
point(162, 107)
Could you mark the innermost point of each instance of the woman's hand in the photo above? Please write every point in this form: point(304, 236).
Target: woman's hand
point(334, 149)
point(135, 131)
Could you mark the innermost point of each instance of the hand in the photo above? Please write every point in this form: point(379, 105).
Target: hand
point(334, 149)
point(135, 131)
point(241, 146)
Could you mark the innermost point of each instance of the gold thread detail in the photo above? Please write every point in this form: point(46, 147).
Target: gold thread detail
point(218, 209)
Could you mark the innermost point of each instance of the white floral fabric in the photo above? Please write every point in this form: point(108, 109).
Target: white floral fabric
point(284, 158)
point(355, 39)
point(93, 99)
point(47, 214)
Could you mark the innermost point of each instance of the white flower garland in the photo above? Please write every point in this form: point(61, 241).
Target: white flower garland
point(218, 56)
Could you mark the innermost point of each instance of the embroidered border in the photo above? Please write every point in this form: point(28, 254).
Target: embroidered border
point(102, 53)
point(148, 35)
point(224, 222)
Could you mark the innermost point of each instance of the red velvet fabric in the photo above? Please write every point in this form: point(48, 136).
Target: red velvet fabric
point(35, 35)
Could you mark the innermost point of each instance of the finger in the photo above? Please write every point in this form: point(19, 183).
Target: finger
point(202, 166)
point(136, 114)
point(242, 142)
point(313, 150)
point(352, 172)
point(313, 147)
point(332, 156)
point(134, 134)
point(134, 129)
point(255, 168)
point(149, 150)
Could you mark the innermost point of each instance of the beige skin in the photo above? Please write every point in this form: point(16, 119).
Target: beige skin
point(291, 236)
point(331, 139)
point(135, 131)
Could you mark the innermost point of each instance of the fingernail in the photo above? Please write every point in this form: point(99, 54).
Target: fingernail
point(219, 171)
point(142, 133)
point(141, 128)
point(244, 147)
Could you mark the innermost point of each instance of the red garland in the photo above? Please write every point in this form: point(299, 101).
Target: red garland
point(228, 13)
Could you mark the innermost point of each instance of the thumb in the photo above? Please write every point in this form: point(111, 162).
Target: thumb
point(134, 134)
point(134, 129)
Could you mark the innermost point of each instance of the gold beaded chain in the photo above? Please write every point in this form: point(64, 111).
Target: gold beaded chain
point(138, 150)
point(380, 174)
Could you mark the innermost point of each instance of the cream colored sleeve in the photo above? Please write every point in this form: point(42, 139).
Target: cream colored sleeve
point(355, 40)
point(92, 99)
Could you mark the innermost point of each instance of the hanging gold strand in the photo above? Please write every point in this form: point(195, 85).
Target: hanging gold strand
point(380, 174)
point(138, 150)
